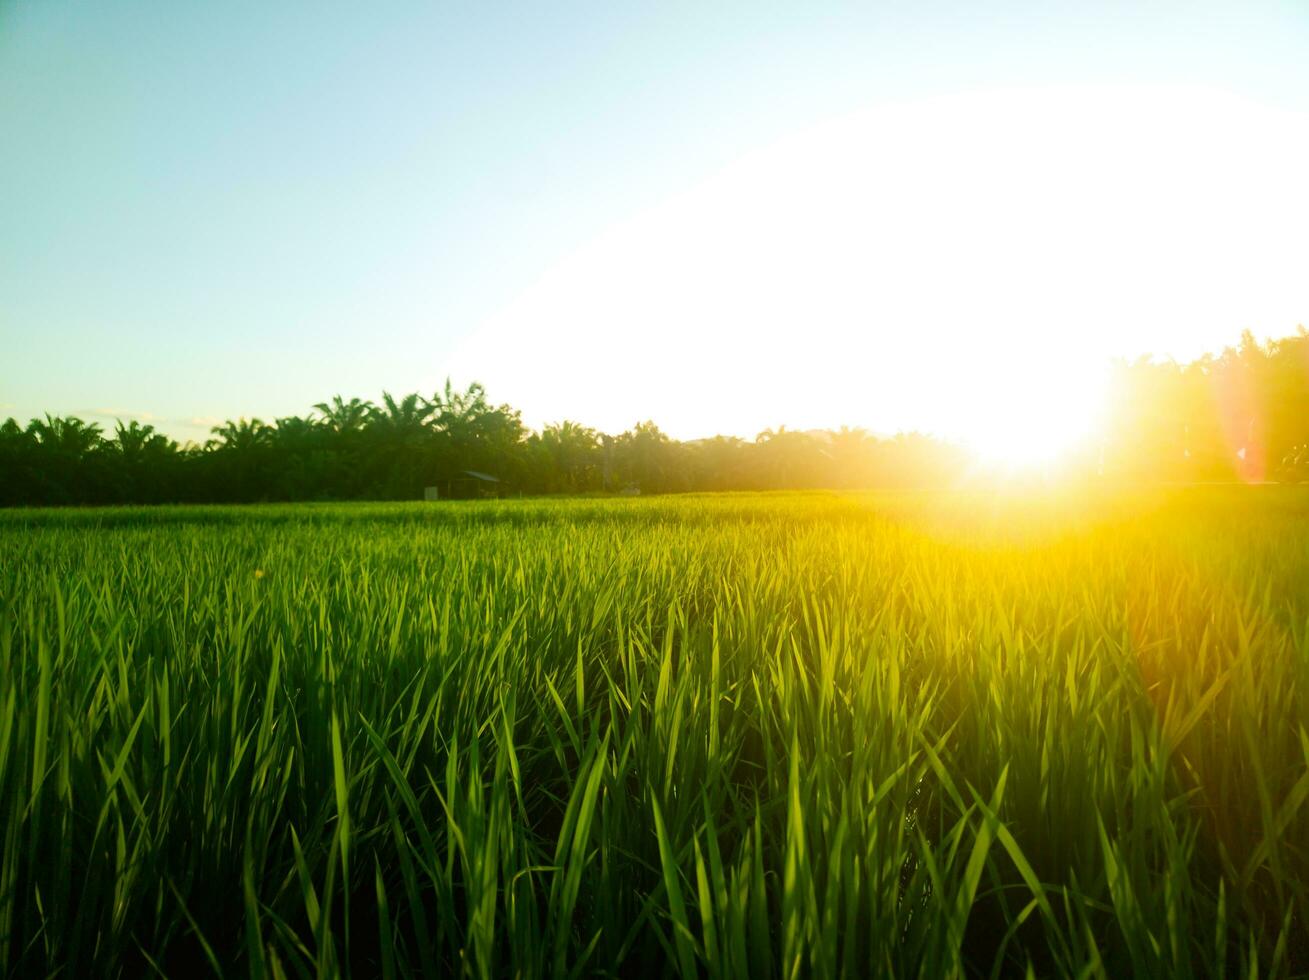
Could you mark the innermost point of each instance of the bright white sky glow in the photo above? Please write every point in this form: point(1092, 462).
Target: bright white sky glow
point(723, 216)
point(963, 265)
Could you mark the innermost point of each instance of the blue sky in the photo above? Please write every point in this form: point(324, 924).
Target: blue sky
point(226, 209)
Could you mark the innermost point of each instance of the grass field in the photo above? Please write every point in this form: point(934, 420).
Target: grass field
point(765, 736)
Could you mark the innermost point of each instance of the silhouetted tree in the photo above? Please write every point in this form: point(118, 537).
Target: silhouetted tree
point(1242, 413)
point(571, 458)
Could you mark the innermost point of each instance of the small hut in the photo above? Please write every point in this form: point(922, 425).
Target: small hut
point(466, 485)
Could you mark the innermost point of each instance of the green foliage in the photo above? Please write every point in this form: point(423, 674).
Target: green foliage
point(766, 736)
point(357, 450)
point(1240, 416)
point(1243, 414)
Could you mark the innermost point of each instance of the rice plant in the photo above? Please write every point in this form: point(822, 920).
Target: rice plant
point(771, 736)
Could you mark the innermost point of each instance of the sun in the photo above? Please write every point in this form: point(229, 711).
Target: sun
point(1032, 416)
point(960, 265)
point(1020, 446)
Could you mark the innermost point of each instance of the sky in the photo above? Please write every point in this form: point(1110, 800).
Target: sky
point(723, 217)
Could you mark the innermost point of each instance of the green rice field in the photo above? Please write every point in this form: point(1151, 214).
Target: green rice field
point(767, 736)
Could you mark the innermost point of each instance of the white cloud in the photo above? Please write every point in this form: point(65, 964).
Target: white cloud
point(117, 414)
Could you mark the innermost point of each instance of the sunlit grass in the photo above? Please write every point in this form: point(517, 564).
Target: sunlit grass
point(765, 736)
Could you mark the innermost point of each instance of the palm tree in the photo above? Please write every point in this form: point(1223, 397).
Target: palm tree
point(457, 413)
point(642, 454)
point(404, 417)
point(296, 433)
point(473, 433)
point(241, 458)
point(345, 416)
point(242, 436)
point(304, 468)
point(134, 441)
point(788, 458)
point(69, 435)
point(851, 455)
point(346, 421)
point(574, 452)
point(63, 460)
point(140, 465)
point(399, 441)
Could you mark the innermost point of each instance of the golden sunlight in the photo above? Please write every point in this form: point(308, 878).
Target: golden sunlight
point(1031, 415)
point(964, 266)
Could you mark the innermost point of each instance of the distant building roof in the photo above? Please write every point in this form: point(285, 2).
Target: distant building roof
point(481, 476)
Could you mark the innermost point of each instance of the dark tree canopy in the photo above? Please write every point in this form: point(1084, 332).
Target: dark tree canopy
point(1239, 415)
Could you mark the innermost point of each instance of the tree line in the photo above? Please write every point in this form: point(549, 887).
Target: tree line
point(1239, 415)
